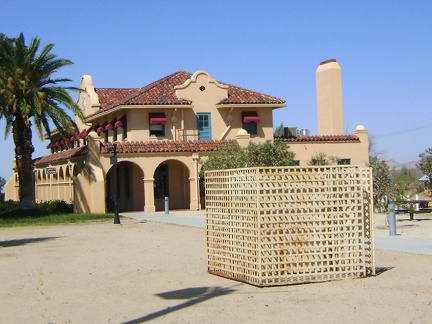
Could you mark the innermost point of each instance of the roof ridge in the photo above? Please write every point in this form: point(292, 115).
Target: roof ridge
point(250, 90)
point(232, 87)
point(116, 88)
point(156, 83)
point(169, 76)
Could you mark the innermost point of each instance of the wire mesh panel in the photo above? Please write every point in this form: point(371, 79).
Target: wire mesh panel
point(289, 225)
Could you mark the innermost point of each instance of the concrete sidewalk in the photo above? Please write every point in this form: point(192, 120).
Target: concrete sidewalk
point(397, 243)
point(178, 217)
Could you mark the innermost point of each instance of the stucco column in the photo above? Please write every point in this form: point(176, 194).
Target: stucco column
point(242, 138)
point(363, 148)
point(89, 185)
point(51, 186)
point(71, 191)
point(193, 205)
point(149, 205)
point(194, 187)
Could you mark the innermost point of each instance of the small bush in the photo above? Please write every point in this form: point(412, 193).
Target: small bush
point(43, 213)
point(8, 206)
point(232, 156)
point(54, 207)
point(11, 208)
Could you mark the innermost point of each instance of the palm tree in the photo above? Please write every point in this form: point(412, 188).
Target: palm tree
point(29, 94)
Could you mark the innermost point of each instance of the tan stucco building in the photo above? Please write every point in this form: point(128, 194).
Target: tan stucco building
point(163, 131)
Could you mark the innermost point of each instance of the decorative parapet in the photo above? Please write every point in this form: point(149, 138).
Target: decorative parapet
point(88, 100)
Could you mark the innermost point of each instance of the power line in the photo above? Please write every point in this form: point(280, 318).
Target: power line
point(409, 130)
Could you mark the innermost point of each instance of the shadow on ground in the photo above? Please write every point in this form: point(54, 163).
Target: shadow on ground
point(25, 241)
point(380, 270)
point(417, 219)
point(192, 296)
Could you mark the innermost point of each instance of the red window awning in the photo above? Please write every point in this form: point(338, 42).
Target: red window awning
point(73, 138)
point(121, 122)
point(157, 118)
point(83, 134)
point(250, 117)
point(101, 128)
point(111, 124)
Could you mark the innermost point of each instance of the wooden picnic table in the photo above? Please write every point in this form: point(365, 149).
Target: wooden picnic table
point(423, 206)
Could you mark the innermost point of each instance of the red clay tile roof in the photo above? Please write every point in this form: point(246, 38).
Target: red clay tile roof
point(237, 95)
point(167, 146)
point(323, 138)
point(180, 146)
point(110, 96)
point(162, 92)
point(61, 156)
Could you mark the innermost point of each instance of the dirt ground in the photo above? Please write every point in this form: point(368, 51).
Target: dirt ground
point(420, 227)
point(144, 271)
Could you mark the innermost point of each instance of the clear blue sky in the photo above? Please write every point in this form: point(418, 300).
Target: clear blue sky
point(384, 48)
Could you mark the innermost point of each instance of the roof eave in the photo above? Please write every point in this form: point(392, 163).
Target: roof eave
point(122, 107)
point(245, 105)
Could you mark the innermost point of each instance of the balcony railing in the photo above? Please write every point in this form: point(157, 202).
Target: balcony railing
point(187, 134)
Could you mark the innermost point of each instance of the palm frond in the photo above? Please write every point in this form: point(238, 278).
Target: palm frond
point(30, 96)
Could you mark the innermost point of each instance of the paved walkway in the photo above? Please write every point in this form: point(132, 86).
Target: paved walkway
point(403, 244)
point(178, 217)
point(197, 219)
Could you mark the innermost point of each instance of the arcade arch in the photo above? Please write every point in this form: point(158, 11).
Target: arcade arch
point(172, 180)
point(130, 187)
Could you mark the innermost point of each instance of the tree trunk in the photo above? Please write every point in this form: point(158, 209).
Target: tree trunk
point(24, 149)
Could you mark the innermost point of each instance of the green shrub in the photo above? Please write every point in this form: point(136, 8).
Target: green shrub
point(54, 207)
point(43, 213)
point(232, 156)
point(321, 158)
point(8, 206)
point(269, 154)
point(12, 208)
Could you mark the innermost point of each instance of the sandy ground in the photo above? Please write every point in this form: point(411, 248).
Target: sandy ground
point(420, 227)
point(144, 271)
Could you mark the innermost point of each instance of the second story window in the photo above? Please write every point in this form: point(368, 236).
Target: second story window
point(122, 122)
point(250, 120)
point(344, 161)
point(157, 122)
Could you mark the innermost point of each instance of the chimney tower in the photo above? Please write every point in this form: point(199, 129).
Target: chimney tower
point(329, 98)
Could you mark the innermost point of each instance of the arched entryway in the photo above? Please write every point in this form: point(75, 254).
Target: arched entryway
point(130, 187)
point(171, 179)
